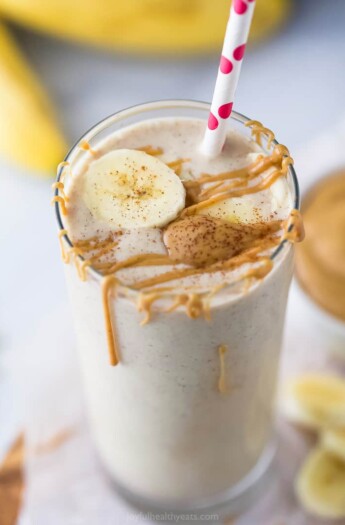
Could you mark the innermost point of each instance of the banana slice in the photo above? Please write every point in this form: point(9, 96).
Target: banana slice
point(131, 189)
point(333, 440)
point(320, 485)
point(315, 401)
point(281, 195)
point(273, 203)
point(238, 210)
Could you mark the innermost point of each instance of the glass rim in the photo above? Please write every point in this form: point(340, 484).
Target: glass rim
point(142, 108)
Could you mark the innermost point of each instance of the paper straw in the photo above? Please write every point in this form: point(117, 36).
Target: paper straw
point(234, 46)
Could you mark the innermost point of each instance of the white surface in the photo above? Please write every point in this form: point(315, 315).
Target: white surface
point(294, 83)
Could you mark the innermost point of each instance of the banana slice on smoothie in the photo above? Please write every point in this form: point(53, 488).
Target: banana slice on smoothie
point(320, 485)
point(333, 440)
point(315, 401)
point(237, 209)
point(131, 189)
point(273, 203)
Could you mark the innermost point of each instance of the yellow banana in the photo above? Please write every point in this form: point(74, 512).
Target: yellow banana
point(315, 400)
point(142, 25)
point(320, 485)
point(333, 440)
point(28, 134)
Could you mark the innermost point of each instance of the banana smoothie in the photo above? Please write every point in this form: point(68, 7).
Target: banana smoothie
point(178, 268)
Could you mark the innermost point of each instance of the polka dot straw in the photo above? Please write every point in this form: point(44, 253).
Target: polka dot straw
point(229, 71)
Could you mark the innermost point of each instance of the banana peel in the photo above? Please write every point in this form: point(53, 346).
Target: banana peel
point(29, 136)
point(144, 26)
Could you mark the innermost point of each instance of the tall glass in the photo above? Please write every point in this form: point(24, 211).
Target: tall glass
point(167, 437)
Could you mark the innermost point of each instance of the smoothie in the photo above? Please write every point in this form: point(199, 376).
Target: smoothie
point(176, 277)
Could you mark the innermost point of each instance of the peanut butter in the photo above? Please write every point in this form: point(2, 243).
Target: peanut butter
point(200, 240)
point(320, 259)
point(222, 386)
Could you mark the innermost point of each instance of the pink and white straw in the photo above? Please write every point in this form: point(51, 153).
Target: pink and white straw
point(234, 46)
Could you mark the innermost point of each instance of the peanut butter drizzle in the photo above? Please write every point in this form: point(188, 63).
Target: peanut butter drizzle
point(279, 159)
point(166, 277)
point(207, 300)
point(176, 165)
point(193, 303)
point(62, 167)
point(208, 192)
point(143, 259)
point(150, 150)
point(255, 168)
point(92, 243)
point(76, 253)
point(54, 442)
point(64, 254)
point(248, 256)
point(110, 245)
point(83, 248)
point(294, 229)
point(109, 284)
point(259, 272)
point(84, 145)
point(61, 187)
point(61, 201)
point(222, 386)
point(258, 130)
point(144, 304)
point(196, 304)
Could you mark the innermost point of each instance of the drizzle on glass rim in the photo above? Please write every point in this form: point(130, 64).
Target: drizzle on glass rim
point(165, 104)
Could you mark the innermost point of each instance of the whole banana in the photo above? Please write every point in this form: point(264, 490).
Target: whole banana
point(158, 26)
point(28, 133)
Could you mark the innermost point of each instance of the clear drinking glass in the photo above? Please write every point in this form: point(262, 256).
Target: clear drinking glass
point(165, 435)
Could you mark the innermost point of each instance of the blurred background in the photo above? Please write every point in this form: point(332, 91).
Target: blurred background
point(66, 64)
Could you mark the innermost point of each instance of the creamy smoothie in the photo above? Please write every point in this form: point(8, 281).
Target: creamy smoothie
point(173, 281)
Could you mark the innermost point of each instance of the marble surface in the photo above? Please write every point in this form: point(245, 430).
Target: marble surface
point(294, 84)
